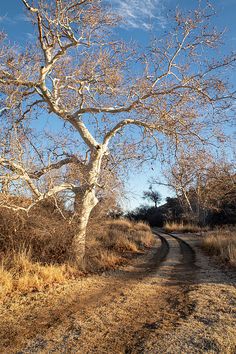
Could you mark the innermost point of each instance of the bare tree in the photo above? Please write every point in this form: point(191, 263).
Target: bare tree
point(153, 196)
point(79, 74)
point(183, 173)
point(201, 181)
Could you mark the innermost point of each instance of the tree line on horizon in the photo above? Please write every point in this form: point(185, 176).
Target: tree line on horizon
point(205, 195)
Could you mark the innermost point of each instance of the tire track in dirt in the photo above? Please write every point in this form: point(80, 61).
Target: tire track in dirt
point(178, 305)
point(210, 325)
point(188, 253)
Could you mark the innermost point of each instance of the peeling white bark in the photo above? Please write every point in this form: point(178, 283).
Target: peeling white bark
point(88, 201)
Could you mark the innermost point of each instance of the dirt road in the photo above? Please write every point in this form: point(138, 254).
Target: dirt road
point(173, 300)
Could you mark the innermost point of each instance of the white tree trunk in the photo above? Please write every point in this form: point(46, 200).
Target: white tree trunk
point(187, 200)
point(87, 201)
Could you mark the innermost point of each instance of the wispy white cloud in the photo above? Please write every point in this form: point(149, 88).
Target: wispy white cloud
point(22, 17)
point(6, 19)
point(30, 36)
point(15, 19)
point(141, 13)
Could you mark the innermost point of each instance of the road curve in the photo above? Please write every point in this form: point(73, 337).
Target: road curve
point(132, 306)
point(183, 257)
point(188, 253)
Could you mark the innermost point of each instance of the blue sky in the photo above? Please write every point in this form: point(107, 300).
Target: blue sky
point(142, 19)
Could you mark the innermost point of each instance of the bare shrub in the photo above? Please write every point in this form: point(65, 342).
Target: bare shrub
point(34, 248)
point(44, 231)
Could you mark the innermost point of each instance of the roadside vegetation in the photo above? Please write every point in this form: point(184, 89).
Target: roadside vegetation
point(116, 241)
point(181, 227)
point(34, 250)
point(221, 243)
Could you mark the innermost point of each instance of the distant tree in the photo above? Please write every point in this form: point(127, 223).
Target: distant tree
point(152, 196)
point(172, 210)
point(151, 215)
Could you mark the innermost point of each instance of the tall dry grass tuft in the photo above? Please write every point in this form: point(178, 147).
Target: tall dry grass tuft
point(129, 236)
point(18, 273)
point(109, 246)
point(222, 244)
point(181, 227)
point(6, 282)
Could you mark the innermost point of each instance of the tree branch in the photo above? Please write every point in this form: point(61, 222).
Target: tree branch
point(55, 166)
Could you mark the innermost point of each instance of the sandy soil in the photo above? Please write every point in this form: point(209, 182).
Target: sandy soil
point(171, 300)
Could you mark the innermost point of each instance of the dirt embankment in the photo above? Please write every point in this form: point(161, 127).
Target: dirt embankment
point(170, 300)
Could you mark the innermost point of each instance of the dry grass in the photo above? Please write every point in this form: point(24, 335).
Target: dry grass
point(109, 246)
point(100, 258)
point(18, 273)
point(125, 235)
point(181, 227)
point(221, 243)
point(34, 249)
point(6, 282)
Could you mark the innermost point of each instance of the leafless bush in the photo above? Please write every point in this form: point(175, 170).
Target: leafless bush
point(44, 231)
